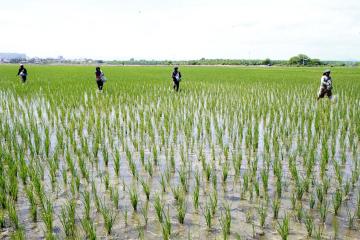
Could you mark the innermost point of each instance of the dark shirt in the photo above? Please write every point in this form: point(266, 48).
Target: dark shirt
point(174, 75)
point(22, 70)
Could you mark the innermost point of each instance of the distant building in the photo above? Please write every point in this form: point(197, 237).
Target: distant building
point(12, 57)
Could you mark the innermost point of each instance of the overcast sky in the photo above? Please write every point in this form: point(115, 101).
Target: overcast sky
point(181, 29)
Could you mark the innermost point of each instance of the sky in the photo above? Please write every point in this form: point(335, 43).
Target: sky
point(181, 29)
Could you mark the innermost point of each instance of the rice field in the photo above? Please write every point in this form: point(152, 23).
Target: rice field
point(238, 153)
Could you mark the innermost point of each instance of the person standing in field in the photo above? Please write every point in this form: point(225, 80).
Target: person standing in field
point(325, 85)
point(22, 73)
point(176, 76)
point(100, 78)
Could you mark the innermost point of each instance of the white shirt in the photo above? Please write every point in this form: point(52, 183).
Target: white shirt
point(325, 81)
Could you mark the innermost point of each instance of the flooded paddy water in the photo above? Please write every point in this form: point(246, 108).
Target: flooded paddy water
point(237, 154)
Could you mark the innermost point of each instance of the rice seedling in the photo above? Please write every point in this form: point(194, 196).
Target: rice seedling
point(311, 201)
point(181, 210)
point(207, 212)
point(196, 197)
point(213, 202)
point(309, 224)
point(166, 225)
point(47, 216)
point(106, 180)
point(2, 219)
point(126, 216)
point(351, 218)
point(319, 232)
point(299, 212)
point(96, 197)
point(323, 211)
point(117, 163)
point(86, 201)
point(320, 194)
point(114, 195)
point(225, 220)
point(33, 206)
point(262, 211)
point(283, 227)
point(358, 206)
point(249, 216)
point(347, 188)
point(208, 171)
point(158, 208)
point(177, 191)
point(13, 216)
point(183, 176)
point(134, 197)
point(67, 218)
point(109, 217)
point(276, 207)
point(89, 229)
point(163, 182)
point(149, 168)
point(146, 187)
point(145, 212)
point(225, 171)
point(265, 179)
point(337, 200)
point(18, 235)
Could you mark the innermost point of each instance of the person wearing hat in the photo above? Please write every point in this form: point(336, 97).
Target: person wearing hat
point(325, 85)
point(176, 76)
point(22, 72)
point(100, 78)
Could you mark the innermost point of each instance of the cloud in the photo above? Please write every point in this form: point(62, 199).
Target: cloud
point(184, 29)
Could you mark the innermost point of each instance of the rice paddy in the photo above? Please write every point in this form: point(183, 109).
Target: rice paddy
point(238, 153)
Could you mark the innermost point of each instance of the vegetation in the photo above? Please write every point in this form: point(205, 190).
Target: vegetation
point(74, 162)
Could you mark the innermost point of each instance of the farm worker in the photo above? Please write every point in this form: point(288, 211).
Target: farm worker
point(22, 73)
point(100, 78)
point(176, 76)
point(325, 85)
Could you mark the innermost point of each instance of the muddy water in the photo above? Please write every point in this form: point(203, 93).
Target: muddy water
point(194, 226)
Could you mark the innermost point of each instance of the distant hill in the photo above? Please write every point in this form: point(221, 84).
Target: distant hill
point(10, 56)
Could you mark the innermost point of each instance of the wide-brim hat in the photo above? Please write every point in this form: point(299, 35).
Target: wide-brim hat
point(327, 71)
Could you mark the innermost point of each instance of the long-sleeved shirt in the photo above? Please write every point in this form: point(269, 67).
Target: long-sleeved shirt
point(176, 76)
point(99, 75)
point(22, 70)
point(326, 82)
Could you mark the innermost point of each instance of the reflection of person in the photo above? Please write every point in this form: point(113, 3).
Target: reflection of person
point(176, 76)
point(22, 73)
point(100, 78)
point(325, 85)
